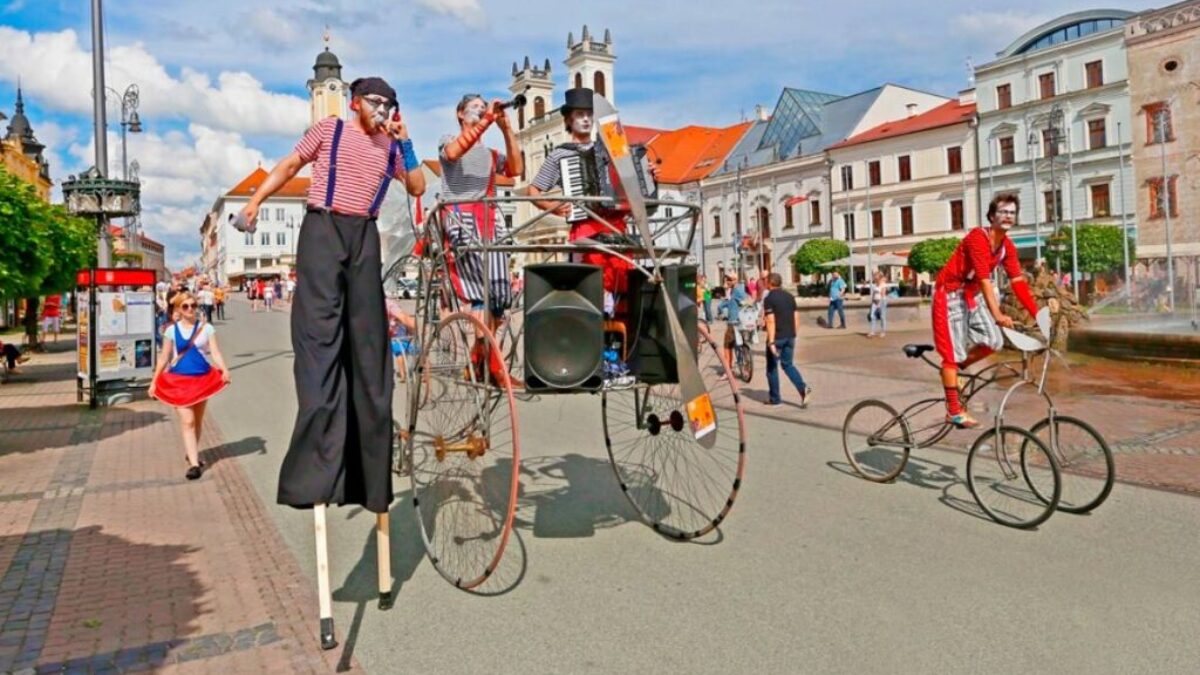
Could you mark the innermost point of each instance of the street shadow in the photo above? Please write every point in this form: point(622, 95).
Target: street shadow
point(46, 428)
point(148, 629)
point(568, 496)
point(268, 357)
point(251, 445)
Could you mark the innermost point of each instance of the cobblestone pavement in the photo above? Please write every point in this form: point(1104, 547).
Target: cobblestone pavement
point(111, 561)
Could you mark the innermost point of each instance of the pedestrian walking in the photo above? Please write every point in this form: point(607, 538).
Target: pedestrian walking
point(52, 316)
point(706, 297)
point(291, 290)
point(783, 324)
point(269, 296)
point(878, 311)
point(219, 299)
point(837, 300)
point(184, 377)
point(736, 296)
point(207, 301)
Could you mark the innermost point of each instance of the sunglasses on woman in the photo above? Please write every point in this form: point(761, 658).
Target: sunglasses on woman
point(188, 305)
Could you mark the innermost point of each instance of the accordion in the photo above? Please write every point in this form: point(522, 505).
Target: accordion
point(591, 173)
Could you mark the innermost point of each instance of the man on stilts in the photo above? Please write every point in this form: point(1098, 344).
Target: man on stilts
point(340, 451)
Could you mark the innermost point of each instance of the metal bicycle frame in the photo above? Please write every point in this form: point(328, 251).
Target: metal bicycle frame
point(434, 293)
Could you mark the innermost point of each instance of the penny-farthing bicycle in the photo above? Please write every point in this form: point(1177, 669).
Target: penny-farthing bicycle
point(678, 460)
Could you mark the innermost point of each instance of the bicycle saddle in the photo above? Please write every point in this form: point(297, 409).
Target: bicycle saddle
point(915, 351)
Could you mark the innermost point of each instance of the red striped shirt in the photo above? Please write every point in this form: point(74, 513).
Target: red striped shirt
point(361, 166)
point(974, 260)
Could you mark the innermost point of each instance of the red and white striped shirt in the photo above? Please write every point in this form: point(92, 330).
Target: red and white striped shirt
point(362, 163)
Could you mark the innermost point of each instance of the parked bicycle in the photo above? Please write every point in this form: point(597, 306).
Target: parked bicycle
point(1015, 475)
point(743, 337)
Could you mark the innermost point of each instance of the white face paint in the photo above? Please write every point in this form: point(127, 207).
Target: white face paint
point(474, 111)
point(581, 122)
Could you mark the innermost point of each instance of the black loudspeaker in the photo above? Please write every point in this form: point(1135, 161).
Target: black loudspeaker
point(564, 327)
point(653, 355)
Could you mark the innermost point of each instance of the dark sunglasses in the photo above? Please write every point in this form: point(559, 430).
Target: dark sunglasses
point(188, 305)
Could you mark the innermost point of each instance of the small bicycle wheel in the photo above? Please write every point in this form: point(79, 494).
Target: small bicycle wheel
point(1003, 467)
point(463, 452)
point(1084, 460)
point(877, 440)
point(680, 488)
point(745, 363)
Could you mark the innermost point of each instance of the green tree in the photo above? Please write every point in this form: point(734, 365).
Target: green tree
point(930, 256)
point(23, 264)
point(44, 246)
point(816, 252)
point(1101, 249)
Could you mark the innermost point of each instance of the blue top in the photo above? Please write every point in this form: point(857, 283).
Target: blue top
point(836, 287)
point(192, 362)
point(733, 302)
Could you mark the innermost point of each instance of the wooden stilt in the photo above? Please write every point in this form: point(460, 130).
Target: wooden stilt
point(324, 601)
point(383, 545)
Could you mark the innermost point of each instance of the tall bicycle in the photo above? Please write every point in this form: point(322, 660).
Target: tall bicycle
point(1015, 475)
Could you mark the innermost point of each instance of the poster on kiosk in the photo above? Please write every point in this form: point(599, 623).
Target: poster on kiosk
point(124, 326)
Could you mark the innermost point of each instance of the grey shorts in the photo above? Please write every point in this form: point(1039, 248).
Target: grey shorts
point(957, 328)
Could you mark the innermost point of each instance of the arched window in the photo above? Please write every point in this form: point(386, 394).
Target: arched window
point(523, 165)
point(598, 83)
point(539, 106)
point(764, 222)
point(578, 80)
point(521, 117)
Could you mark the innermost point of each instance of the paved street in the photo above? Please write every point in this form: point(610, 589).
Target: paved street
point(815, 570)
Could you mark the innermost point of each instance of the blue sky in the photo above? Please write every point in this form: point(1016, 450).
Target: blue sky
point(222, 81)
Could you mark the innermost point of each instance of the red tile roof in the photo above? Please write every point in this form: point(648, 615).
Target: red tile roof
point(642, 135)
point(691, 153)
point(118, 231)
point(296, 187)
point(948, 114)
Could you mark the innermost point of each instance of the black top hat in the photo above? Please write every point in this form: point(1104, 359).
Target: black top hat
point(579, 98)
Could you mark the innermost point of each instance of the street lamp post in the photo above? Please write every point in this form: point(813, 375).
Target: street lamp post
point(1071, 202)
point(130, 122)
point(99, 124)
point(1124, 220)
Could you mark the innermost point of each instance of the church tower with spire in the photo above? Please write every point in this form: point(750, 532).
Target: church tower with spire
point(328, 93)
point(21, 152)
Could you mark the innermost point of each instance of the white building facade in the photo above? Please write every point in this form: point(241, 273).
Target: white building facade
point(773, 192)
point(907, 180)
point(1054, 121)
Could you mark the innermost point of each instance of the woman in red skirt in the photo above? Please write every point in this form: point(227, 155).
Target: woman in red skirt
point(185, 379)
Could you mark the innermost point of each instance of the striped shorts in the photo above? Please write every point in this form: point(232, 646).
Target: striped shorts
point(959, 327)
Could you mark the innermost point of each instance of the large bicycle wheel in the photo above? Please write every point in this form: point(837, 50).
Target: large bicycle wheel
point(1003, 467)
point(463, 453)
point(877, 440)
point(745, 363)
point(1084, 460)
point(680, 488)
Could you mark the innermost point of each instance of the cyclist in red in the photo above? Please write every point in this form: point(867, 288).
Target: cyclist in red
point(966, 309)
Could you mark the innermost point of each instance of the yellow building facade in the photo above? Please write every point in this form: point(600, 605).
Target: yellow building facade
point(21, 153)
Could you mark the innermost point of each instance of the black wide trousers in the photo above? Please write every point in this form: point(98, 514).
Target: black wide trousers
point(340, 451)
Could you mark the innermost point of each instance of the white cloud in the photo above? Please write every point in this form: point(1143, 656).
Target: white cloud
point(272, 27)
point(62, 77)
point(467, 11)
point(13, 7)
